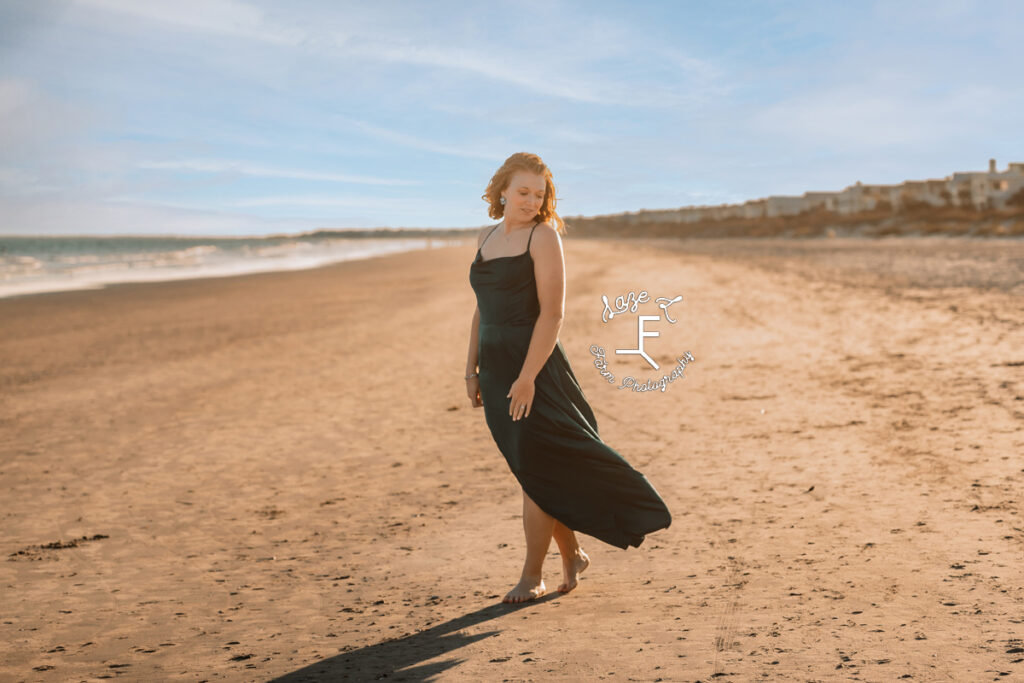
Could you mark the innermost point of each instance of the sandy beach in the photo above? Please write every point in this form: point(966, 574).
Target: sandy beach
point(278, 476)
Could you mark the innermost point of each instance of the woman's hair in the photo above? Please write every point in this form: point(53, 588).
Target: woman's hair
point(531, 163)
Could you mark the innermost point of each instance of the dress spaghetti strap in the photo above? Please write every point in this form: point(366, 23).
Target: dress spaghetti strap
point(531, 236)
point(489, 236)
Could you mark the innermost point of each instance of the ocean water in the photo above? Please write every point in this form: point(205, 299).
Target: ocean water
point(30, 265)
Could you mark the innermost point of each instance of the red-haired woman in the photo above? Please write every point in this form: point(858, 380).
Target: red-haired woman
point(518, 372)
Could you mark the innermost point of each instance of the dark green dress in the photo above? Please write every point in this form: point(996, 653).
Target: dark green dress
point(555, 453)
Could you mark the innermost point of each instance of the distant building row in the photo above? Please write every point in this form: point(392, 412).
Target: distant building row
point(978, 190)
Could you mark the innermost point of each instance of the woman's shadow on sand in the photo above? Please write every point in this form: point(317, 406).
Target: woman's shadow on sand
point(397, 659)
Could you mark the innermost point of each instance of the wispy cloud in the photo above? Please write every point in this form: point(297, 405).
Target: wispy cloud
point(223, 17)
point(577, 83)
point(245, 168)
point(879, 116)
point(417, 142)
point(530, 77)
point(555, 69)
point(322, 201)
point(103, 218)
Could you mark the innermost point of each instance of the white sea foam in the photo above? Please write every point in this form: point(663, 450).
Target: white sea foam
point(35, 265)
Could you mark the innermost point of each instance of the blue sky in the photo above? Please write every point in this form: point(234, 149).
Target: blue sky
point(237, 117)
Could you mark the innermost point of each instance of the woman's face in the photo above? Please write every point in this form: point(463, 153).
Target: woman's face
point(524, 195)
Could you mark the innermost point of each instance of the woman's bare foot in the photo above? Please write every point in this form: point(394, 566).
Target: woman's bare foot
point(572, 567)
point(528, 588)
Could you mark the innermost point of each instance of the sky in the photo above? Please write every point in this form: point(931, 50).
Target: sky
point(244, 117)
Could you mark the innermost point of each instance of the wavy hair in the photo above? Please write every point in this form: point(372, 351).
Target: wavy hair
point(531, 163)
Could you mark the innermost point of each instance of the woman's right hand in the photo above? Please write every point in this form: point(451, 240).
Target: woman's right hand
point(473, 391)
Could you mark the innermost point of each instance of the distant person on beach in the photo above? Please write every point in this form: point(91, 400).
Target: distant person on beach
point(518, 371)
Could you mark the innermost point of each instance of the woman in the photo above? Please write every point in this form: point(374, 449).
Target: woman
point(518, 372)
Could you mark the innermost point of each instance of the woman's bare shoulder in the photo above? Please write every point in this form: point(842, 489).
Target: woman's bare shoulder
point(484, 231)
point(547, 229)
point(545, 240)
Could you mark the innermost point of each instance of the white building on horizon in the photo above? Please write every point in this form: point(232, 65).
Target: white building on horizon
point(979, 190)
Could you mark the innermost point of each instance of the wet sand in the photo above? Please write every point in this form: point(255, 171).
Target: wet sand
point(279, 476)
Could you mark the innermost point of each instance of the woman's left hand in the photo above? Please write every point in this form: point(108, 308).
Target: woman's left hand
point(521, 395)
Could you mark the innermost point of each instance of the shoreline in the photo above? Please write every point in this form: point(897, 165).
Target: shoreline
point(234, 268)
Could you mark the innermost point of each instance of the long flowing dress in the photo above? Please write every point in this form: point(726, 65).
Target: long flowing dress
point(555, 452)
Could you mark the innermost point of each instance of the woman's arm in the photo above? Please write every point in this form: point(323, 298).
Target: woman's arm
point(549, 272)
point(473, 357)
point(472, 360)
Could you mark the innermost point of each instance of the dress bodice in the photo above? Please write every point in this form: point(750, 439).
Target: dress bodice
point(505, 287)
